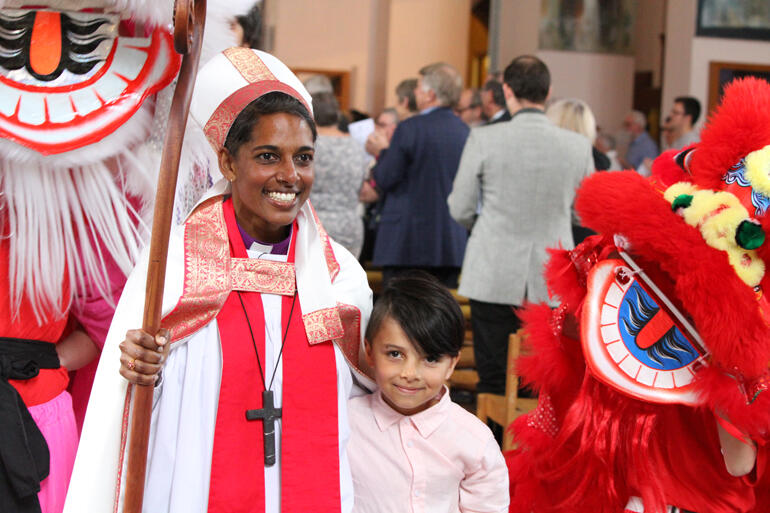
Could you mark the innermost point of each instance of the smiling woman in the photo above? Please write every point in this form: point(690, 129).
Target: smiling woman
point(260, 308)
point(268, 158)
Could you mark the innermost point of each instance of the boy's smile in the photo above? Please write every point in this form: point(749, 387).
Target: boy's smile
point(409, 380)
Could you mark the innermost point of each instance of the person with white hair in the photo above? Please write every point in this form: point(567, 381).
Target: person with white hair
point(641, 146)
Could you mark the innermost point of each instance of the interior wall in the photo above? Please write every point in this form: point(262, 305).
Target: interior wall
point(680, 30)
point(378, 48)
point(688, 57)
point(339, 35)
point(708, 49)
point(650, 23)
point(604, 81)
point(422, 32)
point(518, 26)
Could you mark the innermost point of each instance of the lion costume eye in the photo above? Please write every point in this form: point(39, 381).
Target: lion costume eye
point(636, 341)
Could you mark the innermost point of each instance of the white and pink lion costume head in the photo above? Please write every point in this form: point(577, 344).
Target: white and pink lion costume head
point(85, 90)
point(85, 87)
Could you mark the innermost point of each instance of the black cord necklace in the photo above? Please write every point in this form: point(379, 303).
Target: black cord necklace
point(268, 413)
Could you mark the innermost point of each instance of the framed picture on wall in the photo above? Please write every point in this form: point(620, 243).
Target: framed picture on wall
point(602, 27)
point(739, 19)
point(722, 73)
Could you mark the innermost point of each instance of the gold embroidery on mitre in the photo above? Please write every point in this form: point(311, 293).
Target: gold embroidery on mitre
point(323, 325)
point(219, 123)
point(265, 276)
point(248, 64)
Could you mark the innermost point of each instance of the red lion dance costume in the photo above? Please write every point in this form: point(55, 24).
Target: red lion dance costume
point(662, 333)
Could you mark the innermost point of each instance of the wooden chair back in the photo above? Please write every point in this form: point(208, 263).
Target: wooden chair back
point(505, 409)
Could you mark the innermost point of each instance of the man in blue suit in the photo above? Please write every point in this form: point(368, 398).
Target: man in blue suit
point(415, 176)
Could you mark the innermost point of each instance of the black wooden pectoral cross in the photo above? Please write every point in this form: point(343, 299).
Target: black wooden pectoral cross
point(267, 414)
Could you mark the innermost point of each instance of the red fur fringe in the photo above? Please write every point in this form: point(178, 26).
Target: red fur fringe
point(723, 393)
point(549, 363)
point(562, 279)
point(666, 171)
point(740, 125)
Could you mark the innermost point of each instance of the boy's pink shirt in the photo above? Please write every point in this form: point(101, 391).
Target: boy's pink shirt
point(420, 460)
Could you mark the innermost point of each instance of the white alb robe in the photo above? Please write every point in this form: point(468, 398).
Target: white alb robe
point(185, 406)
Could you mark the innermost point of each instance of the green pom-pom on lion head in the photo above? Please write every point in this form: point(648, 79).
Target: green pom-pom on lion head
point(750, 234)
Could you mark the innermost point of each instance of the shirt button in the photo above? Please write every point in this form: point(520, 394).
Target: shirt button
point(417, 493)
point(410, 444)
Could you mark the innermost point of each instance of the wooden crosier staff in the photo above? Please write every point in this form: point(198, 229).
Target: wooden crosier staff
point(189, 20)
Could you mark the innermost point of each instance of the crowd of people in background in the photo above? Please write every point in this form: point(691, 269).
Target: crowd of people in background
point(445, 173)
point(630, 148)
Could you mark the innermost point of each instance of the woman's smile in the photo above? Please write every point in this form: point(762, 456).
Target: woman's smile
point(282, 199)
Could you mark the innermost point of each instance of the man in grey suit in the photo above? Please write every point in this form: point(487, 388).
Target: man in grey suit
point(528, 170)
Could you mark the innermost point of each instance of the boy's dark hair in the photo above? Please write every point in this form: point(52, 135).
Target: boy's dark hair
point(425, 310)
point(529, 78)
point(270, 103)
point(691, 107)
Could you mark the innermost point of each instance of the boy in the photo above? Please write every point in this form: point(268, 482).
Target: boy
point(411, 448)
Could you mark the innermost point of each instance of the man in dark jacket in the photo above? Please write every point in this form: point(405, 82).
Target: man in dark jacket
point(415, 176)
point(493, 103)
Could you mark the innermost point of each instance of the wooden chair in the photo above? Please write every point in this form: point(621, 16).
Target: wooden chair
point(503, 409)
point(465, 376)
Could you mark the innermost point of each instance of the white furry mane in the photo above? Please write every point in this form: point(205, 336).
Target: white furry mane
point(53, 218)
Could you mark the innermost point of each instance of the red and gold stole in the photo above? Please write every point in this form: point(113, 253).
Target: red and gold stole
point(310, 474)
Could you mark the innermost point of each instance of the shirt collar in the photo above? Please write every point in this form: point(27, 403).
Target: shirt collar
point(497, 115)
point(279, 248)
point(529, 110)
point(425, 422)
point(429, 109)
